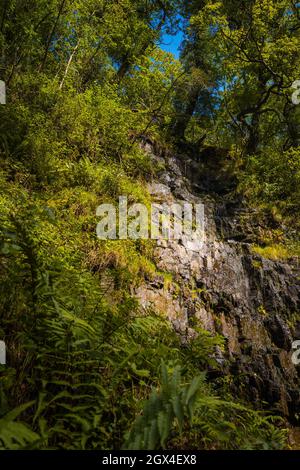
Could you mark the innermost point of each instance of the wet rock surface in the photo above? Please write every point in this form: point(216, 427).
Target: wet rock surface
point(221, 283)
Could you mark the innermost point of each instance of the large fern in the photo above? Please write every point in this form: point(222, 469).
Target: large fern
point(178, 411)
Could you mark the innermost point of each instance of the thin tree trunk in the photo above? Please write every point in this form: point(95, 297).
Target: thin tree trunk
point(68, 65)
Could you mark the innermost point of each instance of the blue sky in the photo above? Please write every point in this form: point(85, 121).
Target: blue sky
point(172, 43)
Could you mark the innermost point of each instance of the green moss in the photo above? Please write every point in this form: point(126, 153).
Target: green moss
point(277, 252)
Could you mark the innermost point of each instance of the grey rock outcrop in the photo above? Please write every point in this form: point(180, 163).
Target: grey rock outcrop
point(227, 289)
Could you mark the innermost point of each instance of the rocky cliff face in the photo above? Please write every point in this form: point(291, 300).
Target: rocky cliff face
point(253, 302)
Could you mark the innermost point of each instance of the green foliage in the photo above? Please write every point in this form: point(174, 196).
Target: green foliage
point(13, 434)
point(249, 51)
point(86, 366)
point(179, 411)
point(85, 79)
point(255, 48)
point(277, 252)
point(172, 402)
point(272, 179)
